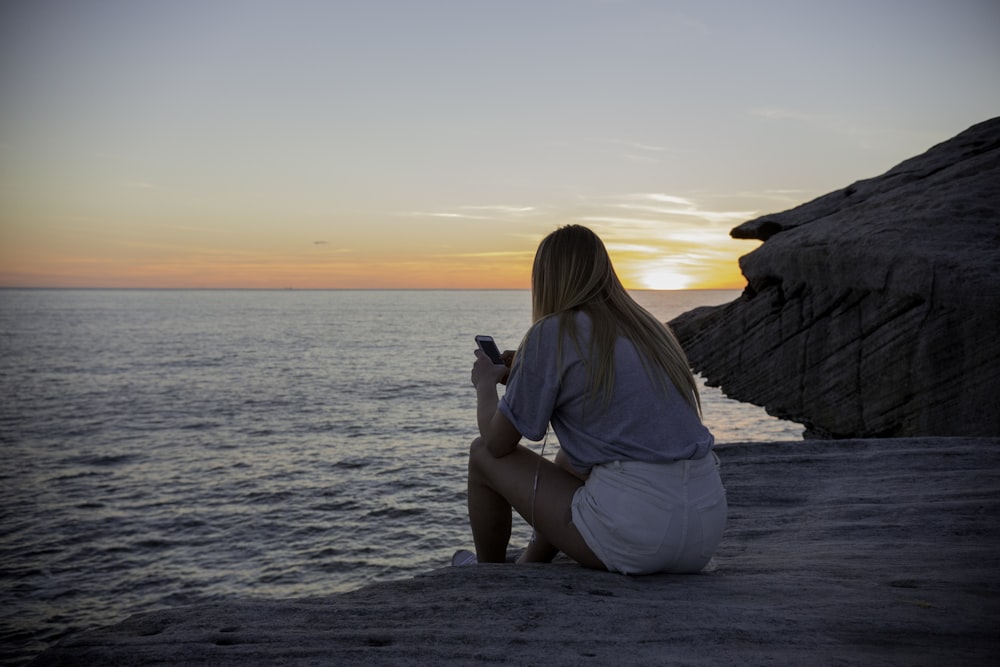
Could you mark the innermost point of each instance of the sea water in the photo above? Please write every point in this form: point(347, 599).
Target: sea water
point(164, 448)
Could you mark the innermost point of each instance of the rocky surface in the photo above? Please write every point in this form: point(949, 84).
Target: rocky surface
point(847, 552)
point(873, 311)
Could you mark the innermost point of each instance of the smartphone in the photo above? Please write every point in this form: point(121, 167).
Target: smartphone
point(487, 345)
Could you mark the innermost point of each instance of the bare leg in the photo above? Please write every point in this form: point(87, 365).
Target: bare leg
point(538, 551)
point(498, 484)
point(489, 515)
point(541, 550)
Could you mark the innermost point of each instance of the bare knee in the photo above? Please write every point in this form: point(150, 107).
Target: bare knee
point(477, 455)
point(482, 463)
point(477, 450)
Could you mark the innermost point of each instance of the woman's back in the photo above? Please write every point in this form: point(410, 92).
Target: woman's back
point(644, 419)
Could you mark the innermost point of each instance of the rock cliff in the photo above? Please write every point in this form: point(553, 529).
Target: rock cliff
point(872, 311)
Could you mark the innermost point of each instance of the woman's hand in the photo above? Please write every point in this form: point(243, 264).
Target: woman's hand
point(508, 361)
point(485, 373)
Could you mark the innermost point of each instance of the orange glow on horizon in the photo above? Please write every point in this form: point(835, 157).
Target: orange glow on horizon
point(263, 273)
point(375, 273)
point(83, 261)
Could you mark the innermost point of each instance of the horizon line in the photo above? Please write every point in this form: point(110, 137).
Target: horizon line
point(330, 289)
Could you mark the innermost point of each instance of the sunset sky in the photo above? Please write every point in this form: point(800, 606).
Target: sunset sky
point(432, 143)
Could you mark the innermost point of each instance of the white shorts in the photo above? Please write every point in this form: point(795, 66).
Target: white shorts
point(641, 518)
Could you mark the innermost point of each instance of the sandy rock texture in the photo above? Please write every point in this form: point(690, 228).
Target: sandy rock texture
point(837, 552)
point(873, 311)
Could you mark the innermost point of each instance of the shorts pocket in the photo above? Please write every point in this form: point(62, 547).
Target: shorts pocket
point(640, 529)
point(629, 527)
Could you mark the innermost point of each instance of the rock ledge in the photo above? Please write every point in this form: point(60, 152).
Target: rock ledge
point(854, 551)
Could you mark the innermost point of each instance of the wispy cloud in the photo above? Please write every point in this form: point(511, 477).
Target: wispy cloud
point(192, 228)
point(636, 151)
point(658, 197)
point(692, 212)
point(779, 113)
point(663, 207)
point(640, 158)
point(489, 254)
point(460, 216)
point(635, 248)
point(666, 241)
point(634, 145)
point(505, 210)
point(818, 121)
point(330, 248)
point(479, 212)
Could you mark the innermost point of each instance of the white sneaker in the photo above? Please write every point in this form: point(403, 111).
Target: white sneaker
point(463, 557)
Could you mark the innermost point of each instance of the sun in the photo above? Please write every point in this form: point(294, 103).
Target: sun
point(662, 278)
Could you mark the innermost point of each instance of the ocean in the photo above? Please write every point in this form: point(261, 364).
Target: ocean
point(173, 447)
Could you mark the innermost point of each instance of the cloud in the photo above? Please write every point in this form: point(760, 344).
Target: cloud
point(634, 145)
point(635, 248)
point(503, 210)
point(636, 151)
point(659, 198)
point(822, 122)
point(727, 217)
point(458, 216)
point(192, 228)
point(666, 241)
point(618, 220)
point(490, 254)
point(778, 113)
point(641, 158)
point(479, 212)
point(662, 207)
point(626, 234)
point(339, 251)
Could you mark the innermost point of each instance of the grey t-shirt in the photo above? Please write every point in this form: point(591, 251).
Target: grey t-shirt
point(642, 422)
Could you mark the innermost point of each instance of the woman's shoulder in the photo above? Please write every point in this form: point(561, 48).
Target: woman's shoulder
point(545, 326)
point(543, 332)
point(558, 325)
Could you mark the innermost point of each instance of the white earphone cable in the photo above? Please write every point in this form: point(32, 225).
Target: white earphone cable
point(534, 487)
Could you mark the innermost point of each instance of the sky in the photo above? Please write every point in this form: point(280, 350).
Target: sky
point(434, 143)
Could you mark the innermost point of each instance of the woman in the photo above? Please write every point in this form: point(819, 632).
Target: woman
point(633, 488)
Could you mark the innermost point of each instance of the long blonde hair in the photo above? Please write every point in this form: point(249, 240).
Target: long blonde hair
point(573, 272)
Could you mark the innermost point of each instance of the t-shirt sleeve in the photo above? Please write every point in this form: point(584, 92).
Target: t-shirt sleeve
point(533, 387)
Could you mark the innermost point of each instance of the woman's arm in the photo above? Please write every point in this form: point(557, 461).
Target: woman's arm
point(498, 433)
